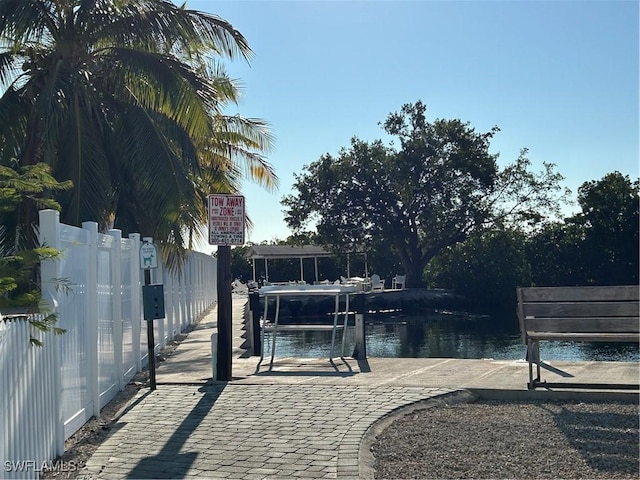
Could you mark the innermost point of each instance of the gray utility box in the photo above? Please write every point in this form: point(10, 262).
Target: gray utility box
point(153, 301)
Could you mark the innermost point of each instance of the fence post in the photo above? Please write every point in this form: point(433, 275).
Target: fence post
point(164, 332)
point(188, 293)
point(91, 315)
point(175, 302)
point(116, 304)
point(182, 282)
point(136, 314)
point(159, 275)
point(201, 284)
point(169, 311)
point(50, 270)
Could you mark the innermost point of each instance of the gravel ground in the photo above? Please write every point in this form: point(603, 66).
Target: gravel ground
point(512, 440)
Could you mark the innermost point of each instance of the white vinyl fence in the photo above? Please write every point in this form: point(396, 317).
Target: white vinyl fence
point(47, 393)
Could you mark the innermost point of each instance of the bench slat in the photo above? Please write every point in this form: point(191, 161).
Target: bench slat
point(585, 294)
point(585, 309)
point(585, 337)
point(579, 325)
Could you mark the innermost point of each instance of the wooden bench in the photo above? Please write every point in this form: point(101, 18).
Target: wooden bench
point(576, 314)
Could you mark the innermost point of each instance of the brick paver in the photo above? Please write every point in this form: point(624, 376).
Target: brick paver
point(247, 431)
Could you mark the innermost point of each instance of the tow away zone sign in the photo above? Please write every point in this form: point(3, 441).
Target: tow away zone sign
point(226, 219)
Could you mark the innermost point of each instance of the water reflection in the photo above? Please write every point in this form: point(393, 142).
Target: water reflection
point(448, 336)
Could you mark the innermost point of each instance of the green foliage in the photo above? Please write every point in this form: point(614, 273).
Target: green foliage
point(610, 222)
point(44, 325)
point(599, 245)
point(485, 269)
point(23, 190)
point(240, 266)
point(29, 182)
point(19, 287)
point(439, 188)
point(554, 253)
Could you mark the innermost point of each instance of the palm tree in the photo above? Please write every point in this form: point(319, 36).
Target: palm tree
point(125, 99)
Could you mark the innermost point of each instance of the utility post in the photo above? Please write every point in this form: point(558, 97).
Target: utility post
point(152, 301)
point(225, 336)
point(151, 341)
point(226, 228)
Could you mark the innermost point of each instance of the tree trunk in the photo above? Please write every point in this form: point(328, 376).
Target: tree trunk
point(414, 272)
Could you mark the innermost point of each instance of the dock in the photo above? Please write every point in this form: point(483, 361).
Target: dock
point(191, 363)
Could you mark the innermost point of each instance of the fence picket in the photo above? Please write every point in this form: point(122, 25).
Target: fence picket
point(48, 392)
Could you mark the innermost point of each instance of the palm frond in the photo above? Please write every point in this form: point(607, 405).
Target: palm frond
point(25, 21)
point(159, 23)
point(240, 140)
point(163, 85)
point(14, 111)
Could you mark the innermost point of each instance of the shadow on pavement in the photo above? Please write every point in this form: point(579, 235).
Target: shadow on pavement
point(168, 463)
point(557, 371)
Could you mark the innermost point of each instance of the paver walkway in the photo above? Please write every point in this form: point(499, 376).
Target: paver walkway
point(247, 431)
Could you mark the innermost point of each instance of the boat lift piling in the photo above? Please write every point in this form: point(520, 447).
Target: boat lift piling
point(359, 308)
point(359, 311)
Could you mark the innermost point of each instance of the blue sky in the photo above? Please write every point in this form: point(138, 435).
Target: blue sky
point(559, 78)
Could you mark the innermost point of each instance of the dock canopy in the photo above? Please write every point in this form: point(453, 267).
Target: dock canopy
point(282, 252)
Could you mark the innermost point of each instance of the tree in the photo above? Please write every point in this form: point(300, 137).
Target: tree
point(597, 246)
point(609, 221)
point(441, 186)
point(240, 266)
point(125, 100)
point(555, 255)
point(485, 269)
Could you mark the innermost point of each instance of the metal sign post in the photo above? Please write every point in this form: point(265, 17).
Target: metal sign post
point(149, 260)
point(226, 228)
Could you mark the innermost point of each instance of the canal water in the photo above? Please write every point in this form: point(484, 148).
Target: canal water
point(443, 335)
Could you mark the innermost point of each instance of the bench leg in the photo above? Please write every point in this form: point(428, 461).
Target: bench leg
point(533, 355)
point(537, 359)
point(530, 359)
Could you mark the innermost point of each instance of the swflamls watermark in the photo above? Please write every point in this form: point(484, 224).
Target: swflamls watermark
point(26, 466)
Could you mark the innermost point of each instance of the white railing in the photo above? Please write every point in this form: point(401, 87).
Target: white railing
point(47, 393)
